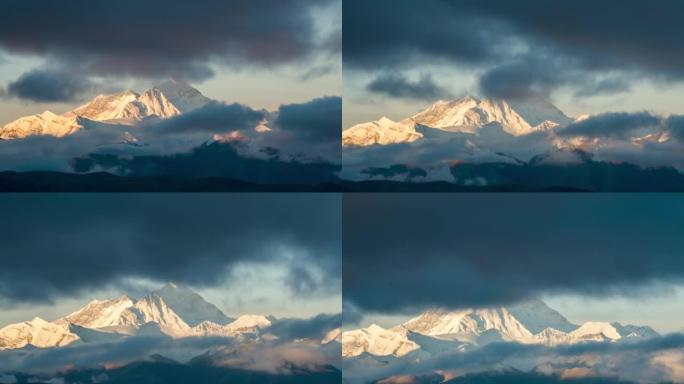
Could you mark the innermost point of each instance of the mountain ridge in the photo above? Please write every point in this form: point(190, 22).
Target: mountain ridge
point(466, 329)
point(465, 115)
point(125, 317)
point(166, 100)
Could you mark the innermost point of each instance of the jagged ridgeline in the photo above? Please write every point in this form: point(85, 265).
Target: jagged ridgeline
point(497, 144)
point(174, 311)
point(168, 99)
point(438, 331)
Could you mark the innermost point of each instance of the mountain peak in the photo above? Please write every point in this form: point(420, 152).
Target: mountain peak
point(190, 305)
point(182, 95)
point(38, 321)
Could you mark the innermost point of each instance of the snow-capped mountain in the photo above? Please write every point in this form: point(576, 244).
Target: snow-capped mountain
point(465, 115)
point(38, 333)
point(536, 316)
point(377, 341)
point(166, 100)
point(469, 323)
point(439, 330)
point(190, 305)
point(160, 312)
point(46, 123)
point(383, 131)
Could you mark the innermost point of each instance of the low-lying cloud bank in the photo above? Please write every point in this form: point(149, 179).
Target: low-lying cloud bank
point(655, 360)
point(597, 149)
point(296, 345)
point(299, 146)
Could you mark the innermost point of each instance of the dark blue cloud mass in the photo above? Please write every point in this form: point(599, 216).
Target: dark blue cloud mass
point(524, 47)
point(411, 251)
point(49, 86)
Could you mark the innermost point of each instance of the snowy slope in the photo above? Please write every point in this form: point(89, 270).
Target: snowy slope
point(471, 322)
point(191, 306)
point(38, 333)
point(377, 341)
point(105, 313)
point(536, 316)
point(242, 325)
point(46, 123)
point(383, 131)
point(182, 96)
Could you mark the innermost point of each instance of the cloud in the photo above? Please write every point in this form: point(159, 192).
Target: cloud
point(395, 170)
point(87, 242)
point(281, 357)
point(211, 118)
point(385, 34)
point(617, 125)
point(45, 86)
point(517, 48)
point(161, 38)
point(653, 360)
point(397, 86)
point(318, 119)
point(217, 140)
point(313, 328)
point(474, 250)
point(212, 160)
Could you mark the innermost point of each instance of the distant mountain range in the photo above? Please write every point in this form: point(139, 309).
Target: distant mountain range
point(168, 99)
point(465, 115)
point(437, 331)
point(173, 311)
point(433, 144)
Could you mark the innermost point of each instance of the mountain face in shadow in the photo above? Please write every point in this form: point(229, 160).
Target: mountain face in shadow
point(589, 176)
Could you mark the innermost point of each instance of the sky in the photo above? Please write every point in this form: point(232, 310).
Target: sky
point(585, 57)
point(608, 257)
point(270, 254)
point(262, 54)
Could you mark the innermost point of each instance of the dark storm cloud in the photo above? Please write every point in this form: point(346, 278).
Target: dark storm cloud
point(398, 86)
point(211, 118)
point(159, 38)
point(315, 327)
point(318, 119)
point(395, 34)
point(619, 125)
point(403, 252)
point(46, 86)
point(62, 245)
point(521, 45)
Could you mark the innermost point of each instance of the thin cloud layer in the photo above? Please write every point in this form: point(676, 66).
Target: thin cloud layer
point(653, 360)
point(459, 251)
